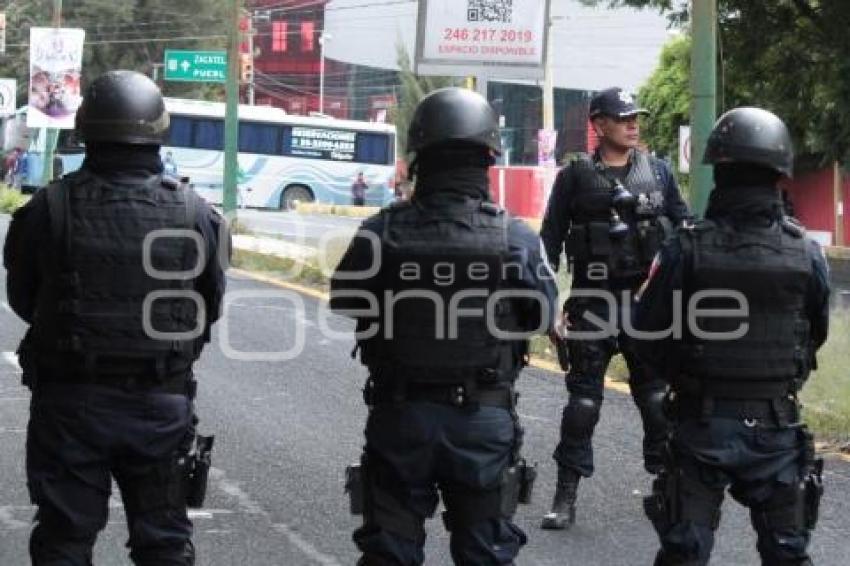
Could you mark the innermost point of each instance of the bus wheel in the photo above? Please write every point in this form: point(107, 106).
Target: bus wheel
point(294, 193)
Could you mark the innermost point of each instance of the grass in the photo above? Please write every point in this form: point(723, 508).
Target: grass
point(11, 199)
point(305, 273)
point(826, 396)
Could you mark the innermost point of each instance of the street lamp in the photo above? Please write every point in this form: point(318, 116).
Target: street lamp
point(323, 37)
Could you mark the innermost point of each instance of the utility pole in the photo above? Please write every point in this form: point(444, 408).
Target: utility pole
point(704, 97)
point(52, 133)
point(323, 37)
point(548, 82)
point(231, 116)
point(251, 32)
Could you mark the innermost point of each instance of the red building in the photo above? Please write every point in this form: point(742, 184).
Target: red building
point(287, 57)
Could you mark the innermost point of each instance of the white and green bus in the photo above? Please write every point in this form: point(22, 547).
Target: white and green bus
point(282, 158)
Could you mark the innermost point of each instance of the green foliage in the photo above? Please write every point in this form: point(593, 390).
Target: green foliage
point(11, 199)
point(413, 89)
point(791, 57)
point(667, 96)
point(131, 34)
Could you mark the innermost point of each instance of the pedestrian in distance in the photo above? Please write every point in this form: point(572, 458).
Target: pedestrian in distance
point(736, 368)
point(116, 270)
point(358, 190)
point(441, 401)
point(609, 212)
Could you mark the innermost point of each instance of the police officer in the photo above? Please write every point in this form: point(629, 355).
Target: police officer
point(609, 212)
point(734, 376)
point(117, 317)
point(448, 266)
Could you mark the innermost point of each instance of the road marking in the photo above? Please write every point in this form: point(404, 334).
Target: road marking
point(525, 417)
point(249, 505)
point(7, 521)
point(11, 358)
point(12, 430)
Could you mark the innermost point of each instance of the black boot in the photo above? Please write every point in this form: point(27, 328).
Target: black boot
point(563, 513)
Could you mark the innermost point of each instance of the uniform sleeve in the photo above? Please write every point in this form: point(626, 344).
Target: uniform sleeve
point(556, 221)
point(675, 207)
point(352, 274)
point(21, 251)
point(212, 281)
point(817, 300)
point(654, 307)
point(527, 250)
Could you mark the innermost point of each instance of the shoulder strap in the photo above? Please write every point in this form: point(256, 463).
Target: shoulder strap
point(58, 207)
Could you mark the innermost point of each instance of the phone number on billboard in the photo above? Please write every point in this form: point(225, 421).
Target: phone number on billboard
point(490, 35)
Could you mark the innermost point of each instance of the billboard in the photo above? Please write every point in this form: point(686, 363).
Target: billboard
point(56, 60)
point(494, 38)
point(8, 92)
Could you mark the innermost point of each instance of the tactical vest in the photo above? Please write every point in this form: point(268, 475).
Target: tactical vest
point(89, 315)
point(590, 239)
point(439, 265)
point(772, 269)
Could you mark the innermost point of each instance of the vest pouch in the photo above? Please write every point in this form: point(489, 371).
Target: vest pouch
point(600, 239)
point(650, 235)
point(577, 243)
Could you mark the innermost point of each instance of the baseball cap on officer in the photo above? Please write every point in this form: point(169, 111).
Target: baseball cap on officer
point(614, 102)
point(450, 115)
point(753, 136)
point(123, 107)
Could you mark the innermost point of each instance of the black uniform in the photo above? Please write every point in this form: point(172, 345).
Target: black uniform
point(440, 390)
point(579, 221)
point(734, 377)
point(108, 399)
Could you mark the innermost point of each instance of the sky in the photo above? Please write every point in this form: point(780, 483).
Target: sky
point(594, 48)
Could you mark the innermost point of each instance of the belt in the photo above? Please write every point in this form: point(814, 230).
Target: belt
point(178, 385)
point(782, 411)
point(456, 395)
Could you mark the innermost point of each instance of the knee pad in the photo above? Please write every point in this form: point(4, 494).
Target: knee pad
point(581, 414)
point(651, 406)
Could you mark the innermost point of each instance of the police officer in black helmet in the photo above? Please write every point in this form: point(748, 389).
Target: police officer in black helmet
point(117, 317)
point(440, 387)
point(734, 379)
point(609, 212)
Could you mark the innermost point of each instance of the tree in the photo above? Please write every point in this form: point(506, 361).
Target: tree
point(666, 96)
point(131, 34)
point(789, 56)
point(413, 89)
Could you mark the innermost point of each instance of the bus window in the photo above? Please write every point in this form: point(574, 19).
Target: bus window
point(209, 134)
point(373, 148)
point(259, 138)
point(181, 132)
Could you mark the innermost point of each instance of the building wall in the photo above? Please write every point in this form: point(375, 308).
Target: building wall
point(812, 197)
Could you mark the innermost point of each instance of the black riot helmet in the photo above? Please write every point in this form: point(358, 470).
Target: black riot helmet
point(123, 107)
point(454, 115)
point(753, 136)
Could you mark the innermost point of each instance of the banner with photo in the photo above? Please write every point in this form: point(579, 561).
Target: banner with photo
point(56, 61)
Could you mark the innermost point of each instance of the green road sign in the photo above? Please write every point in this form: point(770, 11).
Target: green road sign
point(196, 66)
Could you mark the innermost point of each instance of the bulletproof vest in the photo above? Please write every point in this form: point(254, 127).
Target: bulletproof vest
point(771, 268)
point(89, 315)
point(439, 265)
point(590, 238)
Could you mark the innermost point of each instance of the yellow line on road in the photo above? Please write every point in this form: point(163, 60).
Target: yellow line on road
point(537, 363)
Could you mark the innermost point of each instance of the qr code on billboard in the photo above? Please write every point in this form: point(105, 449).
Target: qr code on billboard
point(489, 11)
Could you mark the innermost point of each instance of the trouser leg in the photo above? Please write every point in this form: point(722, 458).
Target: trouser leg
point(68, 480)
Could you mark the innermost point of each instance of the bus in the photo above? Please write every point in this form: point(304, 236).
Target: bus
point(282, 158)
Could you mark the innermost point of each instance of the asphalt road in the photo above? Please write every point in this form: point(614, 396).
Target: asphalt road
point(285, 431)
point(304, 229)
